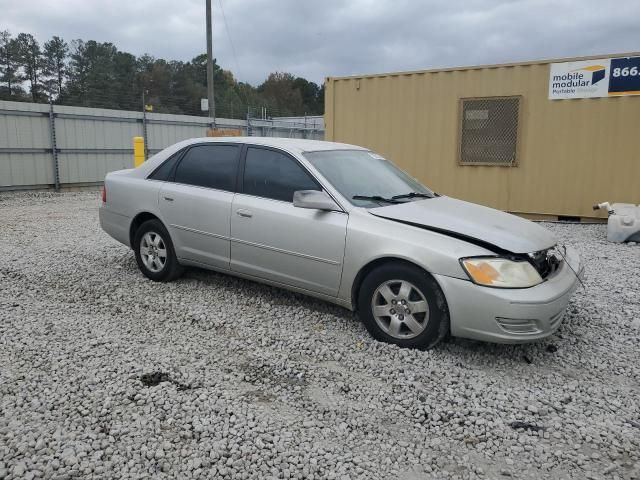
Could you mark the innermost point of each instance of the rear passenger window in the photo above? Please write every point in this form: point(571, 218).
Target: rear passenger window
point(212, 166)
point(271, 174)
point(164, 170)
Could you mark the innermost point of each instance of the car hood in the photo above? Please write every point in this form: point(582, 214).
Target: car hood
point(472, 222)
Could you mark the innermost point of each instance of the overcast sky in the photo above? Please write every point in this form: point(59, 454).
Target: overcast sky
point(321, 38)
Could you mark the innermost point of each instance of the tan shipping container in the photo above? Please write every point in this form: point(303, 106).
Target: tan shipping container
point(570, 154)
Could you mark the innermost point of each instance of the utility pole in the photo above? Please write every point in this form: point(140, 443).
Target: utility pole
point(212, 106)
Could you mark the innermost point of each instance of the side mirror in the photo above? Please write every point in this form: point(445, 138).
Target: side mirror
point(314, 199)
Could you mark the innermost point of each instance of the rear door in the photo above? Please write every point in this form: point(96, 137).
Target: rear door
point(274, 240)
point(196, 202)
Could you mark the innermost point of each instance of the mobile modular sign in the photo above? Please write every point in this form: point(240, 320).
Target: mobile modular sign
point(605, 77)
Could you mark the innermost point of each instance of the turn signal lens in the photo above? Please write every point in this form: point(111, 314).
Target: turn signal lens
point(104, 194)
point(501, 272)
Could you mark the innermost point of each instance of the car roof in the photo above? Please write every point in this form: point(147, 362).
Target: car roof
point(299, 145)
point(294, 146)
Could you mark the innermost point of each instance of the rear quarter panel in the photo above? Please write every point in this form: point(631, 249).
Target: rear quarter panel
point(127, 196)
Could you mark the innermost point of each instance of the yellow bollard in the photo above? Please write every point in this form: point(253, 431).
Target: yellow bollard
point(138, 151)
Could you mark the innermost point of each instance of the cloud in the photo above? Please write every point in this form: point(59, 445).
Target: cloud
point(339, 37)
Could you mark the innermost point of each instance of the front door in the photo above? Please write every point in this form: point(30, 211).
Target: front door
point(196, 203)
point(272, 239)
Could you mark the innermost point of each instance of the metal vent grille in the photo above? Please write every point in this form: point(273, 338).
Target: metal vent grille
point(489, 131)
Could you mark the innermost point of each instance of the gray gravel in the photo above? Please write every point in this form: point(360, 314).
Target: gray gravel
point(105, 374)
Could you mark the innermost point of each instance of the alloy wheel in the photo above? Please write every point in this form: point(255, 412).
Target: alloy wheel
point(153, 252)
point(400, 309)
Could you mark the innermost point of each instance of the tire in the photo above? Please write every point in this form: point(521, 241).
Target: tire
point(419, 318)
point(151, 237)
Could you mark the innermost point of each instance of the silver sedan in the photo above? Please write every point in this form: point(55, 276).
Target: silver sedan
point(342, 223)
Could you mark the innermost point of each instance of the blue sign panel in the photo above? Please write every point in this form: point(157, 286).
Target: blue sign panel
point(624, 76)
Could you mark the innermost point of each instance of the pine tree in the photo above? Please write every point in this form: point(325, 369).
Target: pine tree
point(54, 67)
point(9, 66)
point(31, 61)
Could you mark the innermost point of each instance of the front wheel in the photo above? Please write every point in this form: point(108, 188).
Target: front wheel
point(403, 304)
point(154, 252)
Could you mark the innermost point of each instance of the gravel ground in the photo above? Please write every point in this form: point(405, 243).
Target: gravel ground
point(105, 374)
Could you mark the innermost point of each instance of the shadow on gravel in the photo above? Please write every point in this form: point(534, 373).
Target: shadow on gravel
point(274, 295)
point(527, 353)
point(156, 378)
point(517, 425)
point(484, 353)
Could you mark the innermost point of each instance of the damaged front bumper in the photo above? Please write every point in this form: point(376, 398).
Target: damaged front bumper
point(512, 315)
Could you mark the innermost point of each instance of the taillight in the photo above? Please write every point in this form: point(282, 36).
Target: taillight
point(104, 194)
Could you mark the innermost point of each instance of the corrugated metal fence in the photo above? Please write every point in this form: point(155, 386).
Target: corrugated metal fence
point(43, 146)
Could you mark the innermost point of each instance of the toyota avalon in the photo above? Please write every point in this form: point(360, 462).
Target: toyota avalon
point(342, 223)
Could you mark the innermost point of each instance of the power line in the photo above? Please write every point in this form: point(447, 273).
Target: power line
point(226, 27)
point(233, 48)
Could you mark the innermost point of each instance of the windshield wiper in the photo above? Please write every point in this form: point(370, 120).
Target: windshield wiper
point(375, 198)
point(412, 195)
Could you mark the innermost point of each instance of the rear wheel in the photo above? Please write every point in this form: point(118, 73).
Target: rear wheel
point(402, 304)
point(154, 252)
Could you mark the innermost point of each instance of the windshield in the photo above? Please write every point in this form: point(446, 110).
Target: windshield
point(358, 173)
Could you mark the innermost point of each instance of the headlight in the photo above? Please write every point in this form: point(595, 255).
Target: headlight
point(501, 272)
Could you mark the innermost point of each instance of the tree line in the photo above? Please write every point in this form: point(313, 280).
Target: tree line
point(95, 74)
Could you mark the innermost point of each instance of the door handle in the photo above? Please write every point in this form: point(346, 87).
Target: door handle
point(244, 213)
point(168, 199)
